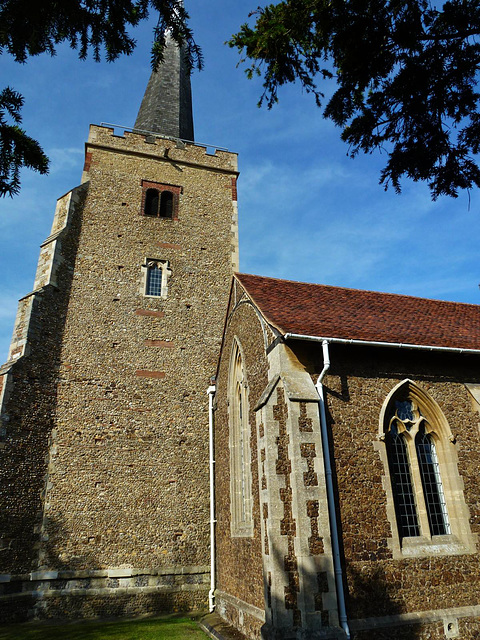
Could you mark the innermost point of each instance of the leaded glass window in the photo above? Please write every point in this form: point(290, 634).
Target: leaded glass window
point(156, 277)
point(402, 485)
point(432, 483)
point(154, 280)
point(414, 471)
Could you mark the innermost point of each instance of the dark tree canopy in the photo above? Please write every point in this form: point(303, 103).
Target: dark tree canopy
point(17, 150)
point(406, 71)
point(406, 75)
point(99, 27)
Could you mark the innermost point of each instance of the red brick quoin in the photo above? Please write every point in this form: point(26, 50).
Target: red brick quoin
point(88, 161)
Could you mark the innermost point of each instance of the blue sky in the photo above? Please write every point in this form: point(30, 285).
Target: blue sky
point(307, 211)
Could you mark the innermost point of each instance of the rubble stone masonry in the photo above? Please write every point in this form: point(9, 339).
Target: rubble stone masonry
point(240, 588)
point(433, 594)
point(104, 470)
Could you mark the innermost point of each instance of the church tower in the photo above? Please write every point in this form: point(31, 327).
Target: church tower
point(104, 420)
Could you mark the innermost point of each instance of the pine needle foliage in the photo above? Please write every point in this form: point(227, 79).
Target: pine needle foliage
point(406, 74)
point(96, 27)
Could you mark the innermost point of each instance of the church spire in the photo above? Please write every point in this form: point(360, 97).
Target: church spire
point(167, 104)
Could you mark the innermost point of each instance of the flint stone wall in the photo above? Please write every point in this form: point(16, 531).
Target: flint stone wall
point(106, 420)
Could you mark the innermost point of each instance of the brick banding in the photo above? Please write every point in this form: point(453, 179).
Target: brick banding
point(160, 343)
point(168, 245)
point(143, 373)
point(149, 312)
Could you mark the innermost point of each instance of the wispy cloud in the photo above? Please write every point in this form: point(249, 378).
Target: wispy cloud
point(65, 159)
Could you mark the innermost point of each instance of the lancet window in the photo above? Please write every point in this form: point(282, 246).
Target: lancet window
point(425, 504)
point(156, 275)
point(239, 441)
point(415, 470)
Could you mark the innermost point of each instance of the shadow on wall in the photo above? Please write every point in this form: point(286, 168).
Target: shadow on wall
point(57, 592)
point(367, 596)
point(31, 416)
point(369, 592)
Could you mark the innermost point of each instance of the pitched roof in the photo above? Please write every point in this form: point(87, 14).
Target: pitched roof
point(352, 314)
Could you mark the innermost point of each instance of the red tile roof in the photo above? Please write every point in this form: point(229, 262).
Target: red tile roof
point(336, 312)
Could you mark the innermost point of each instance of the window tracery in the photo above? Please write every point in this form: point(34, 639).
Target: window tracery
point(156, 275)
point(425, 502)
point(411, 448)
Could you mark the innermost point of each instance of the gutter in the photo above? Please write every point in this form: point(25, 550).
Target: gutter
point(211, 593)
point(332, 515)
point(373, 343)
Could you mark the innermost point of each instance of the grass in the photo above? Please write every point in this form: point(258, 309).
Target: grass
point(165, 628)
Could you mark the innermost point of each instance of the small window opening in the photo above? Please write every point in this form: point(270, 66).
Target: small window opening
point(151, 202)
point(154, 279)
point(157, 274)
point(166, 204)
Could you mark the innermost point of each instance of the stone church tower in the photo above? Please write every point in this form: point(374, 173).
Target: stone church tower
point(104, 421)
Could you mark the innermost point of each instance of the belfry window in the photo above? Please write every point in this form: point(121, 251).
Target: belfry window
point(166, 205)
point(158, 203)
point(152, 198)
point(239, 441)
point(160, 200)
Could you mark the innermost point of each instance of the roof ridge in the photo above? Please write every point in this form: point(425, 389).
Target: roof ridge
point(353, 289)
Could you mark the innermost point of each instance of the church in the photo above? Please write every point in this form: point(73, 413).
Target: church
point(176, 436)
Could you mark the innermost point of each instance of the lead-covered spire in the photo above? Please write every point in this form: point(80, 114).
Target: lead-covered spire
point(167, 104)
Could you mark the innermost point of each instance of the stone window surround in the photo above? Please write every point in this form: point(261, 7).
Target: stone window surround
point(175, 190)
point(241, 499)
point(150, 263)
point(460, 540)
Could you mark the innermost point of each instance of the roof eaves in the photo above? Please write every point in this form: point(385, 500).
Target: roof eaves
point(378, 343)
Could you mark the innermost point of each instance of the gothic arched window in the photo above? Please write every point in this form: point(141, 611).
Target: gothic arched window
point(412, 454)
point(425, 503)
point(431, 483)
point(239, 442)
point(402, 483)
point(155, 277)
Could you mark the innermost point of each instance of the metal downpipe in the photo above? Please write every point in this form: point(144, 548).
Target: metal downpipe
point(211, 593)
point(337, 565)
